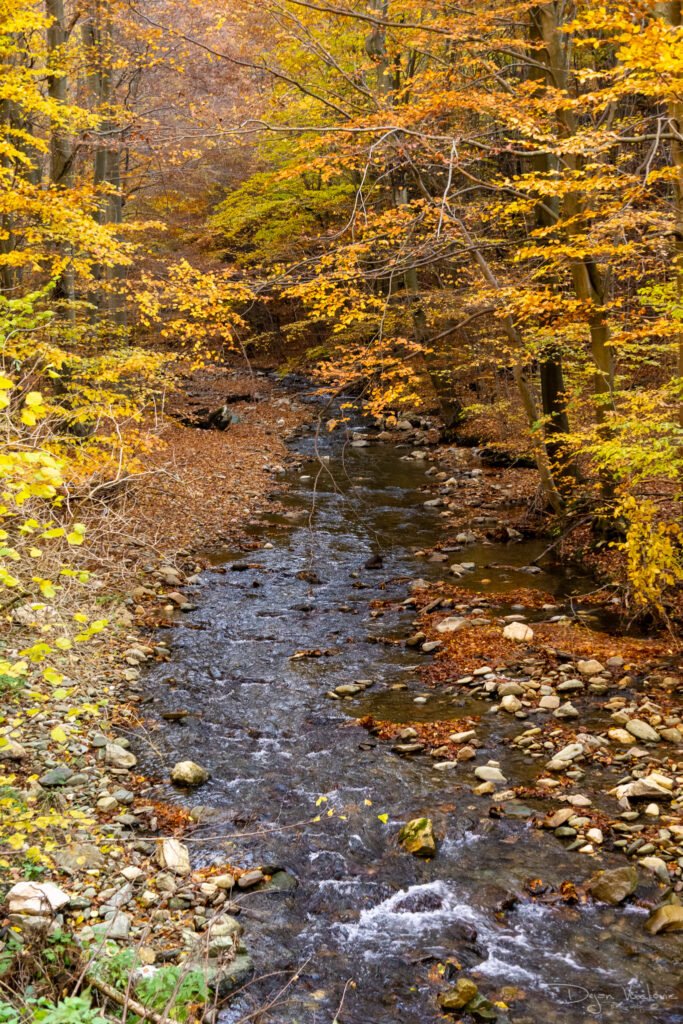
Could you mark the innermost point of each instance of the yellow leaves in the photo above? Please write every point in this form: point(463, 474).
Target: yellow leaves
point(384, 818)
point(52, 676)
point(16, 841)
point(37, 653)
point(46, 587)
point(58, 734)
point(77, 535)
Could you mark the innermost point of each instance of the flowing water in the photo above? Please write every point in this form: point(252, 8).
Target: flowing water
point(366, 922)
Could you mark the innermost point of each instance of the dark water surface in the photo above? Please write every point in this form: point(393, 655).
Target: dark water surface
point(363, 911)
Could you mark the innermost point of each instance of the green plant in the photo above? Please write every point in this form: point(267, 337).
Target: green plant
point(172, 985)
point(8, 1013)
point(71, 1010)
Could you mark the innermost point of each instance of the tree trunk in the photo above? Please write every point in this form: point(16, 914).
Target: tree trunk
point(591, 283)
point(98, 39)
point(61, 147)
point(672, 14)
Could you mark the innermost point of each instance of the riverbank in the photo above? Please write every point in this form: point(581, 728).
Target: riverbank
point(92, 870)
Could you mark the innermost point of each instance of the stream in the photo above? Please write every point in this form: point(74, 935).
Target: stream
point(366, 923)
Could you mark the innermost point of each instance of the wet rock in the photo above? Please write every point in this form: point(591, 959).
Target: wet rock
point(280, 881)
point(117, 756)
point(489, 773)
point(417, 837)
point(566, 711)
point(173, 856)
point(348, 689)
point(188, 773)
point(431, 646)
point(459, 996)
point(665, 919)
point(615, 886)
point(511, 704)
point(36, 898)
point(250, 878)
point(518, 631)
point(642, 731)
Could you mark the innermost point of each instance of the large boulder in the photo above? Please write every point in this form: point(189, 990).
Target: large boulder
point(614, 886)
point(188, 773)
point(668, 918)
point(36, 898)
point(417, 837)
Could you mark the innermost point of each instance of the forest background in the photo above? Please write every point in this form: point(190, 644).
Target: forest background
point(475, 211)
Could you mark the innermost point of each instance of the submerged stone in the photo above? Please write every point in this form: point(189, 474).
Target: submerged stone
point(614, 886)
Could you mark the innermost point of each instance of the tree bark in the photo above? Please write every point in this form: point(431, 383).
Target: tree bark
point(672, 14)
point(61, 146)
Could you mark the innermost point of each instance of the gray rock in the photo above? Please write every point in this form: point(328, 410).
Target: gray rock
point(224, 978)
point(58, 776)
point(642, 731)
point(117, 756)
point(79, 857)
point(11, 751)
point(250, 878)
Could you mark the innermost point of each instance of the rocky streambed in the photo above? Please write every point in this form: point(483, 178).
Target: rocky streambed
point(333, 697)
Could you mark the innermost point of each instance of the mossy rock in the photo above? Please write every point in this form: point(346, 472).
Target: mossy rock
point(417, 837)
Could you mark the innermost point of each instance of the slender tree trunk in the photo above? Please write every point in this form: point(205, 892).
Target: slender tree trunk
point(61, 146)
point(553, 396)
point(672, 14)
point(98, 39)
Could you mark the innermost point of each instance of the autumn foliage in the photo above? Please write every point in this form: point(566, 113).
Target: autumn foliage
point(471, 209)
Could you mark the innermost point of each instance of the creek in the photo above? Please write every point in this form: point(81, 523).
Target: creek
point(366, 922)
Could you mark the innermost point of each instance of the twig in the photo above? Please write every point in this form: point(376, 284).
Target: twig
point(127, 1003)
point(563, 536)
